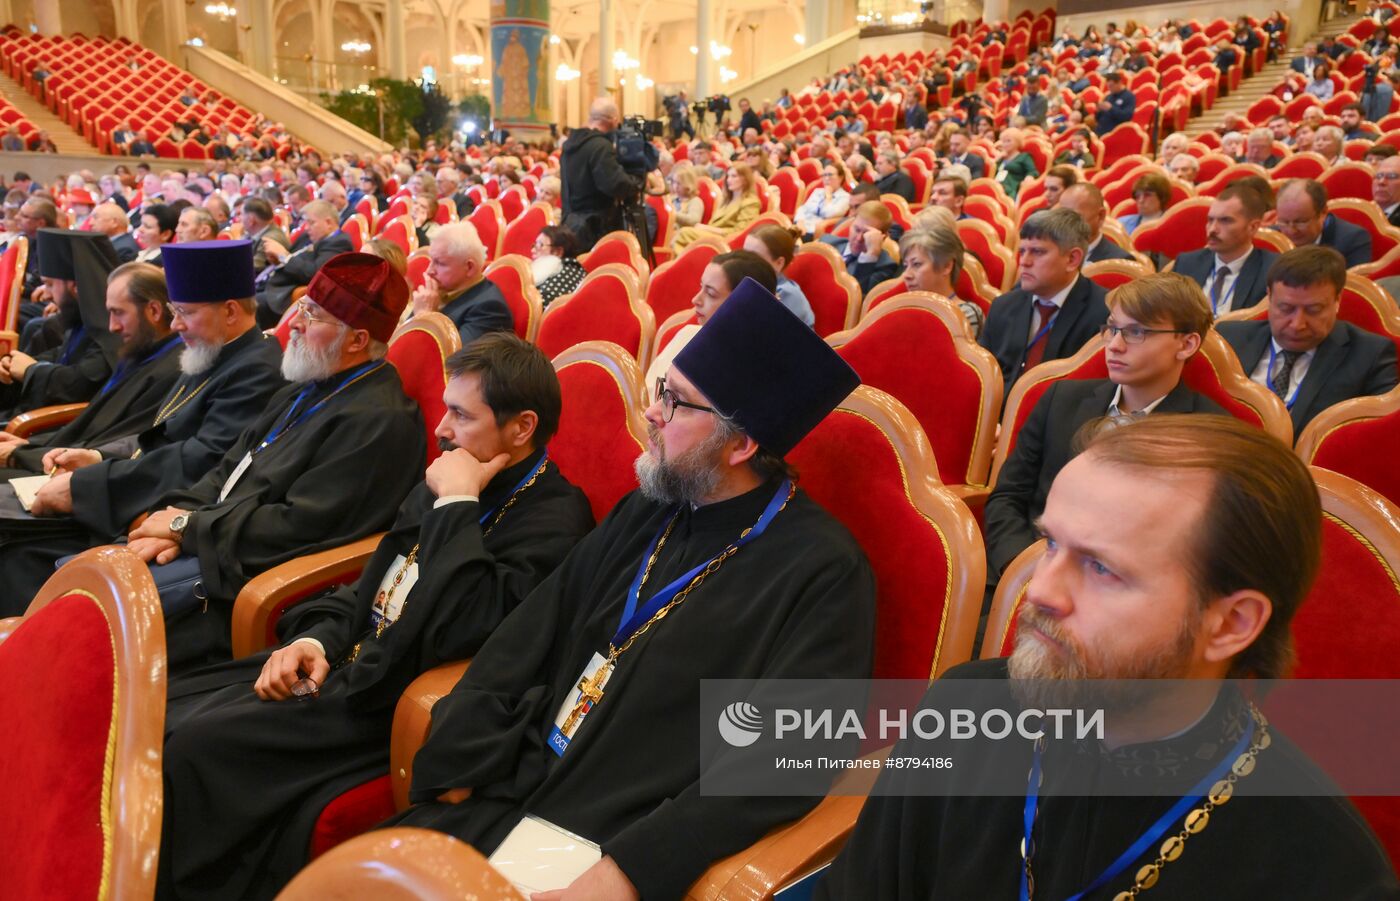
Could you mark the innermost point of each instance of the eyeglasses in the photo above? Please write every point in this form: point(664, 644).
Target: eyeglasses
point(1388, 176)
point(186, 313)
point(304, 310)
point(1134, 334)
point(669, 402)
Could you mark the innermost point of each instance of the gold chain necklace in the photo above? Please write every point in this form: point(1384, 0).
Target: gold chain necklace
point(1194, 822)
point(175, 403)
point(386, 595)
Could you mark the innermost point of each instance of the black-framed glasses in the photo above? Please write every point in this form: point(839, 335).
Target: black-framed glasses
point(669, 401)
point(1134, 334)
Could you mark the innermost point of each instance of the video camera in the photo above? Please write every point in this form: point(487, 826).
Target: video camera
point(632, 138)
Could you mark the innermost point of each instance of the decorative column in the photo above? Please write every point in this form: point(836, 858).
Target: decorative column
point(47, 17)
point(255, 26)
point(607, 34)
point(396, 54)
point(996, 10)
point(816, 23)
point(177, 29)
point(522, 87)
point(703, 60)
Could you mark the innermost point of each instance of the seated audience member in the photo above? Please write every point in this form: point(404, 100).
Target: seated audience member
point(260, 228)
point(1184, 167)
point(1172, 146)
point(891, 179)
point(1303, 219)
point(136, 305)
point(1152, 193)
point(1354, 124)
point(217, 207)
point(795, 601)
point(777, 246)
point(1118, 105)
point(1014, 165)
point(959, 142)
point(1056, 180)
point(1385, 189)
point(739, 206)
point(1379, 153)
point(1327, 141)
point(425, 224)
point(686, 205)
point(195, 224)
point(455, 284)
point(74, 266)
point(933, 260)
point(1077, 154)
point(108, 219)
point(1307, 61)
point(1231, 270)
point(292, 270)
point(491, 520)
point(1303, 353)
point(950, 193)
point(1033, 107)
point(1321, 85)
point(827, 203)
point(157, 228)
point(1086, 200)
point(554, 263)
point(1054, 311)
point(345, 411)
point(1259, 148)
point(1180, 547)
point(229, 371)
point(863, 252)
point(141, 144)
point(1232, 145)
point(1155, 324)
point(1377, 101)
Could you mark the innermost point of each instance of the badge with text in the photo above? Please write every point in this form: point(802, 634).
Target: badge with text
point(587, 692)
point(234, 476)
point(398, 581)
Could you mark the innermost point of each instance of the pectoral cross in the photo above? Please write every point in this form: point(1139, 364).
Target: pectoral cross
point(590, 693)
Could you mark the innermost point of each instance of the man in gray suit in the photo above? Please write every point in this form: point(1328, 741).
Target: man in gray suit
point(1303, 353)
point(1230, 269)
point(259, 228)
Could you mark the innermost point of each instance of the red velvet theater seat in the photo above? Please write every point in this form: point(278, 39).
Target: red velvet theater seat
point(955, 390)
point(490, 224)
point(607, 306)
point(675, 282)
point(601, 431)
point(617, 247)
point(522, 231)
point(82, 687)
point(419, 350)
point(1347, 438)
point(511, 273)
point(833, 293)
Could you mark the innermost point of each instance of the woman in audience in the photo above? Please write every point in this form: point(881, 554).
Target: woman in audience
point(827, 203)
point(740, 206)
point(372, 184)
point(425, 210)
point(933, 260)
point(554, 263)
point(1321, 85)
point(1170, 43)
point(685, 201)
point(777, 245)
point(1153, 193)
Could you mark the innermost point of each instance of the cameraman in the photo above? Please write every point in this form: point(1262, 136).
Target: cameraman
point(678, 112)
point(595, 184)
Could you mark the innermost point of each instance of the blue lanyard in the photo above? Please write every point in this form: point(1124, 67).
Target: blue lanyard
point(1045, 328)
point(72, 344)
point(1269, 378)
point(125, 368)
point(633, 618)
point(283, 426)
point(1153, 833)
point(529, 474)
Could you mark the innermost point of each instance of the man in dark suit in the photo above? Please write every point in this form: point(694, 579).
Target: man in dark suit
point(455, 284)
point(1033, 107)
point(890, 179)
point(1117, 106)
point(1385, 189)
point(1304, 64)
point(1303, 353)
point(958, 143)
point(1230, 268)
point(1259, 148)
point(1303, 219)
point(1054, 312)
point(1086, 200)
point(1155, 325)
point(296, 269)
point(863, 253)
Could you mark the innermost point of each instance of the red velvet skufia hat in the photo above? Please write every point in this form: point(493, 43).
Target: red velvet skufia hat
point(362, 291)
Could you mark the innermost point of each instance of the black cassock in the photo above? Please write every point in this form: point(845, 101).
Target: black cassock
point(1253, 847)
point(68, 374)
point(121, 409)
point(798, 602)
point(246, 779)
point(349, 450)
point(195, 425)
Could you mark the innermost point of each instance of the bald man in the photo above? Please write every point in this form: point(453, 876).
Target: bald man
point(595, 184)
point(1087, 200)
point(110, 220)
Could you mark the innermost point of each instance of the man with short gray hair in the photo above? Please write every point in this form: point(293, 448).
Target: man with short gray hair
point(890, 179)
point(455, 284)
point(1259, 148)
point(1054, 312)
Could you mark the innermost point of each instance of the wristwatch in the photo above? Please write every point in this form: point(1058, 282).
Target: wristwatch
point(178, 525)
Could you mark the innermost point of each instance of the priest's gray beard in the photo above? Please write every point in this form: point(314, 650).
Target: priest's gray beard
point(1069, 675)
point(303, 363)
point(199, 356)
point(690, 478)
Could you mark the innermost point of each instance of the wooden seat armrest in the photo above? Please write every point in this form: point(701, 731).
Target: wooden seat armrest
point(8, 625)
point(44, 419)
point(262, 601)
point(783, 855)
point(8, 341)
point(412, 717)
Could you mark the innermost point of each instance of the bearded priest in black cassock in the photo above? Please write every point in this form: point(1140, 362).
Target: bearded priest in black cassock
point(795, 600)
point(148, 363)
point(1179, 548)
point(329, 462)
point(248, 768)
point(75, 266)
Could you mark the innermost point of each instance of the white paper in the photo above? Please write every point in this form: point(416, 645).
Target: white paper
point(26, 487)
point(234, 476)
point(538, 856)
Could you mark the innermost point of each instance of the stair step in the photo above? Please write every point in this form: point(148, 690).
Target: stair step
point(62, 134)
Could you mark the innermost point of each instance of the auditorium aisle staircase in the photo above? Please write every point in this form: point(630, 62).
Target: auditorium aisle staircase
point(1264, 81)
point(64, 137)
